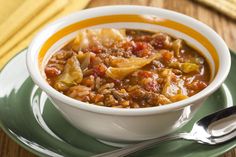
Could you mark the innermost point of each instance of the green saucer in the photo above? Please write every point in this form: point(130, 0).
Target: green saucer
point(28, 117)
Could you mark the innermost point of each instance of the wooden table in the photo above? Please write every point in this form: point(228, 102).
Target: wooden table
point(220, 23)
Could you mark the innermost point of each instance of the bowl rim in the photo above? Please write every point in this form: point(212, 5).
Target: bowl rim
point(214, 85)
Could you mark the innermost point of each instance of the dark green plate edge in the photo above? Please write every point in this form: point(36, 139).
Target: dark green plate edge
point(35, 152)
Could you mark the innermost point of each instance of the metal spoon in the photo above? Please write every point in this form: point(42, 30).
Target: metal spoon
point(213, 129)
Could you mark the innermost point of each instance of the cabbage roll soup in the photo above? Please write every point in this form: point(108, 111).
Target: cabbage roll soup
point(127, 68)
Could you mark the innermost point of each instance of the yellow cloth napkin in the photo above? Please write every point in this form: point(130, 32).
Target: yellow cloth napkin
point(19, 18)
point(227, 7)
point(30, 21)
point(34, 23)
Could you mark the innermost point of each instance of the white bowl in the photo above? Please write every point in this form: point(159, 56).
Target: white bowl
point(114, 125)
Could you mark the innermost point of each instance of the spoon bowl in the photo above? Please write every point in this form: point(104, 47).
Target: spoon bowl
point(216, 128)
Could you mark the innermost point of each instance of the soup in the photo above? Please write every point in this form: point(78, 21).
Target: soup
point(127, 68)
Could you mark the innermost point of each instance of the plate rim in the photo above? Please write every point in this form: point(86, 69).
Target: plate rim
point(4, 128)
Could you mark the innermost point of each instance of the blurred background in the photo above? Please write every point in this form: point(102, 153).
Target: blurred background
point(20, 20)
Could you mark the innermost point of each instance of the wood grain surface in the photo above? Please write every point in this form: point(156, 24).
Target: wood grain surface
point(224, 26)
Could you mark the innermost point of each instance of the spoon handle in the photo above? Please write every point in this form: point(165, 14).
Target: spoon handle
point(143, 145)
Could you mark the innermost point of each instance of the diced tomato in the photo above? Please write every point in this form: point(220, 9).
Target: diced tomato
point(158, 42)
point(144, 38)
point(142, 49)
point(88, 81)
point(95, 61)
point(201, 85)
point(52, 71)
point(197, 85)
point(167, 56)
point(129, 45)
point(98, 98)
point(144, 53)
point(140, 46)
point(145, 74)
point(100, 69)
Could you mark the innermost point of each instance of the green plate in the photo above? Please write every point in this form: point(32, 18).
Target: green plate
point(28, 117)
